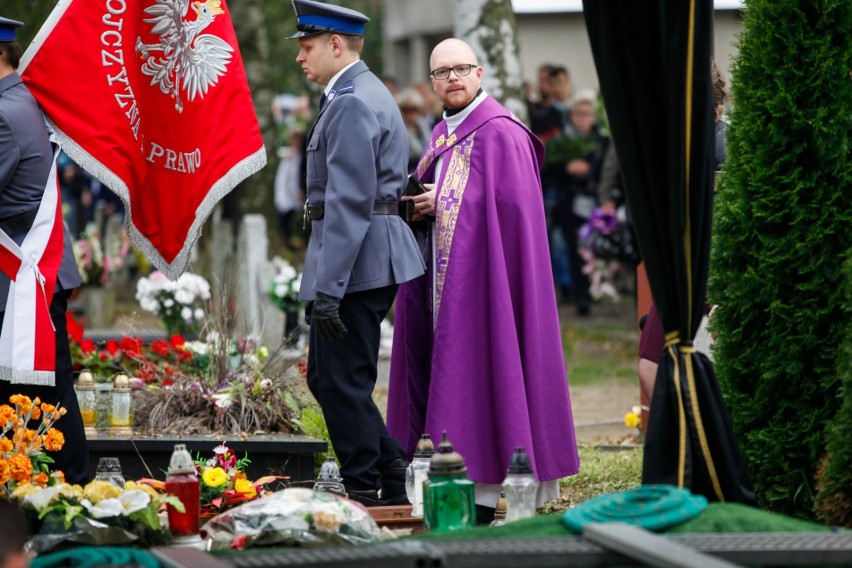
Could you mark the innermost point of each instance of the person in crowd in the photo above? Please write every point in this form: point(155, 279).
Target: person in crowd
point(75, 186)
point(550, 115)
point(360, 249)
point(27, 216)
point(13, 527)
point(477, 348)
point(432, 106)
point(653, 338)
point(289, 193)
point(411, 105)
point(584, 146)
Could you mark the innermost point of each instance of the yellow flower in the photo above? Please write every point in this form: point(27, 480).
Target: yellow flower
point(23, 490)
point(131, 485)
point(245, 487)
point(214, 476)
point(632, 420)
point(96, 491)
point(5, 444)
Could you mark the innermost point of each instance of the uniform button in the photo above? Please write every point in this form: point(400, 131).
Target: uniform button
point(340, 282)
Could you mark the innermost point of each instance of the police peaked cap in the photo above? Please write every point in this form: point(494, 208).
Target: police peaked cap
point(7, 28)
point(317, 17)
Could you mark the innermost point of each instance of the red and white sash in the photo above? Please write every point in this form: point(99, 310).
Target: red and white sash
point(28, 338)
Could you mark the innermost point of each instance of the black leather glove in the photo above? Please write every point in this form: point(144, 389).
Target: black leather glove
point(326, 316)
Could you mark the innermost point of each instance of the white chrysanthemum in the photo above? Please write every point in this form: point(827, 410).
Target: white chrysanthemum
point(184, 297)
point(149, 305)
point(168, 302)
point(186, 313)
point(133, 500)
point(106, 508)
point(281, 290)
point(198, 313)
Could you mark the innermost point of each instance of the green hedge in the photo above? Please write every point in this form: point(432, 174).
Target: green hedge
point(834, 498)
point(782, 226)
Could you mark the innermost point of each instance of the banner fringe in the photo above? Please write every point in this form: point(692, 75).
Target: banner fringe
point(250, 165)
point(28, 377)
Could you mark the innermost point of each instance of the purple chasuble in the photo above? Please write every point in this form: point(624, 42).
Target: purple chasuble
point(489, 368)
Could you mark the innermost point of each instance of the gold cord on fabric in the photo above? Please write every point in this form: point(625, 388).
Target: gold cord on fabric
point(699, 424)
point(681, 419)
point(687, 232)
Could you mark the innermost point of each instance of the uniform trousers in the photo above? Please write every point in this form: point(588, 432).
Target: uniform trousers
point(73, 458)
point(341, 376)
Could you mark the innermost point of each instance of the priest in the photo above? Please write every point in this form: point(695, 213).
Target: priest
point(477, 346)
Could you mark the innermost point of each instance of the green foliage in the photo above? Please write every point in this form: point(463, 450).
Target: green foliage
point(782, 225)
point(834, 498)
point(312, 423)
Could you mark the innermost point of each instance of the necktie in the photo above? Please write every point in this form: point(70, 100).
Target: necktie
point(322, 102)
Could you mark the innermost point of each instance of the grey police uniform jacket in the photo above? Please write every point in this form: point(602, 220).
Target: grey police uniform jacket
point(357, 154)
point(26, 156)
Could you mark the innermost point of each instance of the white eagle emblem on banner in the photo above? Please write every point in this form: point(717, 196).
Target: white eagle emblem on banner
point(189, 60)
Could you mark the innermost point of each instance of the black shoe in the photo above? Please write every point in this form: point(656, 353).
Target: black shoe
point(367, 497)
point(393, 483)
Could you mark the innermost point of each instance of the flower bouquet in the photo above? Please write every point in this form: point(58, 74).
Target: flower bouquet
point(223, 481)
point(284, 286)
point(22, 457)
point(295, 516)
point(95, 262)
point(179, 305)
point(98, 514)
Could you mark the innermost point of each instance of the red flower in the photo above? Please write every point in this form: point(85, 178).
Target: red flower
point(112, 347)
point(104, 356)
point(87, 346)
point(160, 347)
point(131, 345)
point(177, 340)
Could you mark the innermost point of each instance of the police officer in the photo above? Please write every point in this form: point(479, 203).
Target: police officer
point(360, 248)
point(26, 158)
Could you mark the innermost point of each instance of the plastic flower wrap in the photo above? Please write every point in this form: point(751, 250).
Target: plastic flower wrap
point(295, 516)
point(179, 305)
point(98, 514)
point(284, 287)
point(26, 432)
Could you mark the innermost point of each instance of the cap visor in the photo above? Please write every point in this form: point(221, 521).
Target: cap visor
point(301, 34)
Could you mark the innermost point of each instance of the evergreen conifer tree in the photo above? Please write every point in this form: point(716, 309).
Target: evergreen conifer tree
point(782, 228)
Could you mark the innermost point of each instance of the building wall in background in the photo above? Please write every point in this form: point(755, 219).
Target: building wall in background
point(412, 28)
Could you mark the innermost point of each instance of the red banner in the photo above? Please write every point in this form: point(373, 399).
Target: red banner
point(150, 97)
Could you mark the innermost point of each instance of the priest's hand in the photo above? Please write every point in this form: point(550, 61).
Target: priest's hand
point(326, 316)
point(424, 204)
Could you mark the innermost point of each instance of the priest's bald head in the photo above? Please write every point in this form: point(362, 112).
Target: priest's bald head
point(456, 74)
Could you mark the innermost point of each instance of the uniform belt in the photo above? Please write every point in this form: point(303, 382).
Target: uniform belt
point(315, 212)
point(20, 222)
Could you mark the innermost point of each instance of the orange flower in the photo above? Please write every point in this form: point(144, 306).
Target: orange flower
point(58, 476)
point(41, 479)
point(4, 471)
point(21, 400)
point(36, 413)
point(20, 467)
point(47, 408)
point(7, 414)
point(54, 440)
point(5, 446)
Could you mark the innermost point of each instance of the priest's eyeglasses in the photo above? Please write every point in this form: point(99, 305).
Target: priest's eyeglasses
point(461, 70)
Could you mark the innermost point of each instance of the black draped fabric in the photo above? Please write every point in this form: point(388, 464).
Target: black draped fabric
point(653, 62)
